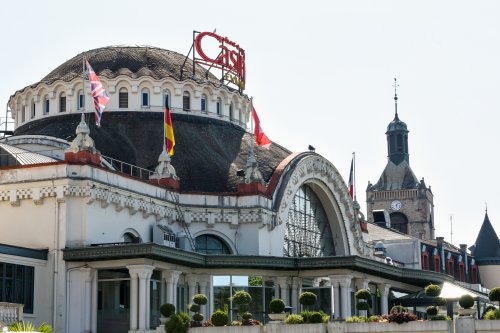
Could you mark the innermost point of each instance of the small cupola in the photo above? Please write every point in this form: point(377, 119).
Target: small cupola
point(397, 136)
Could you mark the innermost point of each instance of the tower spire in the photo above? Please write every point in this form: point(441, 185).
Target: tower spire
point(396, 85)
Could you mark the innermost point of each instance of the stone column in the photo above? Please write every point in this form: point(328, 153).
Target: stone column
point(192, 281)
point(133, 297)
point(87, 276)
point(334, 281)
point(344, 282)
point(170, 279)
point(203, 290)
point(296, 285)
point(283, 282)
point(95, 282)
point(384, 297)
point(139, 310)
point(148, 299)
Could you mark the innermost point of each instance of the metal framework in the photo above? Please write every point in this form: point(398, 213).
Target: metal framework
point(307, 232)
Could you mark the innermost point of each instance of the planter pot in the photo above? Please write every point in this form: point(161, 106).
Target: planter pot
point(440, 326)
point(163, 320)
point(304, 328)
point(277, 316)
point(227, 329)
point(467, 312)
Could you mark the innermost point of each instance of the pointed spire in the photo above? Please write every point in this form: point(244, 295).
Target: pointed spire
point(396, 99)
point(82, 148)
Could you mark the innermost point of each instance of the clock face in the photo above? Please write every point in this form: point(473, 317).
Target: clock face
point(396, 205)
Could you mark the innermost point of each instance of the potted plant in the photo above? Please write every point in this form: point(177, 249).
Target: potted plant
point(198, 301)
point(166, 310)
point(307, 299)
point(242, 301)
point(466, 302)
point(219, 318)
point(494, 295)
point(277, 310)
point(363, 295)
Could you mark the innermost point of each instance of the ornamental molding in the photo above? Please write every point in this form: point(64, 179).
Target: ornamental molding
point(313, 167)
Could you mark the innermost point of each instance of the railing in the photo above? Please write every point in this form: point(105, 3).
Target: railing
point(127, 168)
point(11, 312)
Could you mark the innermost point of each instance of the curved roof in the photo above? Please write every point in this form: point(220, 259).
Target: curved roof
point(133, 61)
point(11, 156)
point(208, 151)
point(397, 125)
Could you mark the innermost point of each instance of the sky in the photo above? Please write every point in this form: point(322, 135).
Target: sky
point(321, 73)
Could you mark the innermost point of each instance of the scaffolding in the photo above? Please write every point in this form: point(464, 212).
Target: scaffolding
point(6, 124)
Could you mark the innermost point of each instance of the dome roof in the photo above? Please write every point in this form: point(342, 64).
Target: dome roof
point(397, 125)
point(133, 61)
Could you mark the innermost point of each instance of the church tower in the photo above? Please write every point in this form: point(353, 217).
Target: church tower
point(399, 200)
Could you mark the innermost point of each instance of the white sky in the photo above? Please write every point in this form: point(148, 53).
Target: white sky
point(321, 73)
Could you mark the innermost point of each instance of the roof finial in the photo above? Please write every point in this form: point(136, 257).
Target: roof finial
point(486, 206)
point(396, 85)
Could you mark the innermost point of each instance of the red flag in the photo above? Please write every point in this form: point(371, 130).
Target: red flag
point(169, 132)
point(351, 180)
point(260, 138)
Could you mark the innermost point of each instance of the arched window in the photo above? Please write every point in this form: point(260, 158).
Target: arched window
point(231, 115)
point(186, 101)
point(33, 109)
point(166, 99)
point(307, 231)
point(450, 267)
point(123, 98)
point(399, 222)
point(461, 271)
point(62, 102)
point(219, 106)
point(204, 103)
point(425, 261)
point(145, 98)
point(437, 263)
point(210, 244)
point(80, 102)
point(46, 105)
point(473, 273)
point(240, 116)
point(129, 237)
point(23, 114)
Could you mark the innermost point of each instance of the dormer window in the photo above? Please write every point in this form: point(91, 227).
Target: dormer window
point(80, 101)
point(62, 102)
point(23, 114)
point(219, 106)
point(145, 98)
point(204, 103)
point(46, 105)
point(186, 101)
point(33, 109)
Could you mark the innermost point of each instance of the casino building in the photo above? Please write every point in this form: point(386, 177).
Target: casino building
point(99, 228)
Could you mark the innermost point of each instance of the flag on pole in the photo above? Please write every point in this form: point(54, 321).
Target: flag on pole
point(351, 179)
point(169, 133)
point(99, 95)
point(260, 138)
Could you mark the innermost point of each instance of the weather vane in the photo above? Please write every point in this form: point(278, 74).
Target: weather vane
point(396, 85)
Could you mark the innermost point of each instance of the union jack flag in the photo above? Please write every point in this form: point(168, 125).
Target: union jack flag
point(99, 95)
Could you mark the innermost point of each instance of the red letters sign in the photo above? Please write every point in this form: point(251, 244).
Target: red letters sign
point(231, 58)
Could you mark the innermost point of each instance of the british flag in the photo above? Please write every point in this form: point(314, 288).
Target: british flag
point(99, 95)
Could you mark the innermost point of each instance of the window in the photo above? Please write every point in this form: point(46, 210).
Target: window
point(399, 222)
point(473, 273)
point(123, 98)
point(204, 103)
point(80, 103)
point(17, 285)
point(307, 231)
point(46, 106)
point(437, 263)
point(145, 98)
point(33, 109)
point(186, 101)
point(450, 267)
point(210, 244)
point(231, 116)
point(461, 272)
point(399, 143)
point(62, 102)
point(129, 237)
point(23, 114)
point(166, 98)
point(425, 261)
point(219, 106)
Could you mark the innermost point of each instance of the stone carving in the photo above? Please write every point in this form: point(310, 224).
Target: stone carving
point(164, 169)
point(83, 141)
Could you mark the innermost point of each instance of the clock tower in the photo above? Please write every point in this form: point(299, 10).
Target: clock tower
point(399, 200)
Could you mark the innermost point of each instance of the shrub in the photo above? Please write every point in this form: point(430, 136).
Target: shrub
point(307, 298)
point(401, 317)
point(194, 307)
point(45, 328)
point(242, 308)
point(432, 290)
point(494, 294)
point(361, 319)
point(440, 301)
point(167, 309)
point(22, 326)
point(219, 318)
point(488, 308)
point(200, 299)
point(305, 315)
point(236, 323)
point(373, 319)
point(466, 301)
point(198, 317)
point(241, 297)
point(363, 306)
point(363, 294)
point(492, 315)
point(294, 319)
point(276, 305)
point(398, 309)
point(246, 315)
point(432, 310)
point(179, 323)
point(315, 318)
point(440, 317)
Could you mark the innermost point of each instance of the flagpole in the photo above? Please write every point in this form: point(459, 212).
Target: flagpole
point(251, 125)
point(165, 129)
point(83, 89)
point(354, 174)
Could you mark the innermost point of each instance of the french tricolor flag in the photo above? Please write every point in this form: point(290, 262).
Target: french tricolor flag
point(351, 179)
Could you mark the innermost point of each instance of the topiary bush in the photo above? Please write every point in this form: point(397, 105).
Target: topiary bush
point(440, 301)
point(242, 300)
point(167, 310)
point(307, 299)
point(242, 308)
point(431, 310)
point(198, 317)
point(488, 308)
point(179, 323)
point(219, 318)
point(363, 294)
point(432, 290)
point(494, 295)
point(466, 301)
point(276, 305)
point(492, 315)
point(246, 316)
point(294, 319)
point(398, 309)
point(200, 299)
point(316, 318)
point(363, 306)
point(440, 317)
point(194, 307)
point(241, 297)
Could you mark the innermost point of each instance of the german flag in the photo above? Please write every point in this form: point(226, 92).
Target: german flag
point(169, 133)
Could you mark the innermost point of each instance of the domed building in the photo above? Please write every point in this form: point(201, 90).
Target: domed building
point(99, 231)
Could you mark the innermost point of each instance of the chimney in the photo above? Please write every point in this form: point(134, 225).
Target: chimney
point(463, 248)
point(439, 241)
